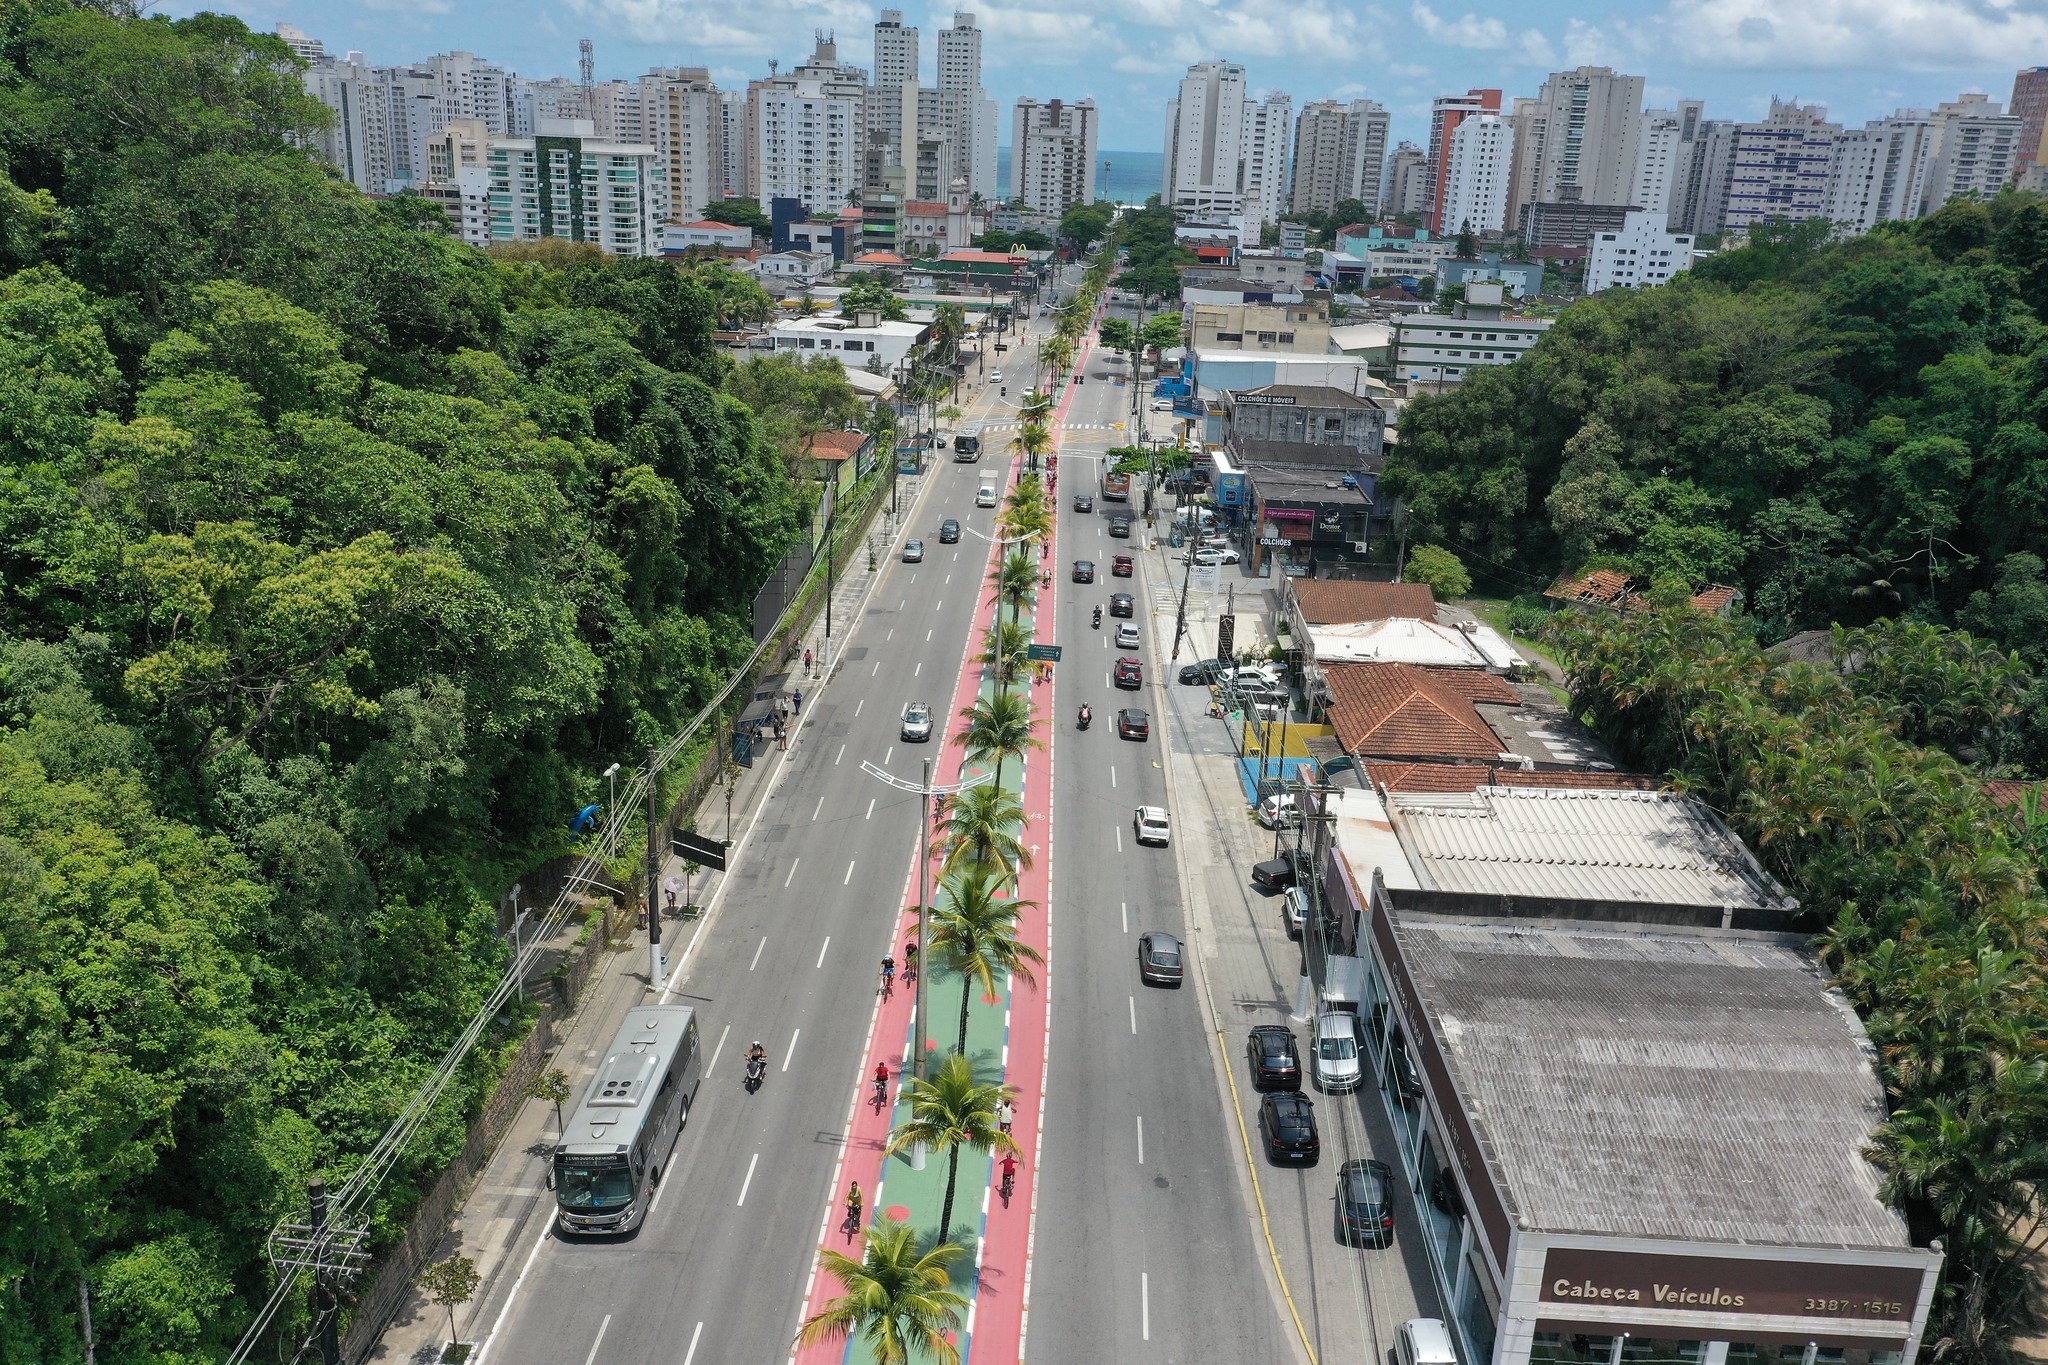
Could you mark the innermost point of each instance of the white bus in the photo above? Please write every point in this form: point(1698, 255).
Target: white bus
point(625, 1127)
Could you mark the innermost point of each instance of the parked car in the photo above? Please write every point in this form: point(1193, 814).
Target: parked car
point(1277, 874)
point(1122, 566)
point(1202, 672)
point(1251, 675)
point(1209, 554)
point(1131, 723)
point(1152, 825)
point(1162, 405)
point(1275, 1063)
point(917, 722)
point(913, 552)
point(949, 532)
point(1128, 673)
point(1126, 635)
point(1424, 1341)
point(1278, 810)
point(1084, 571)
point(1294, 910)
point(1159, 959)
point(1084, 502)
point(1365, 1206)
point(1288, 1124)
point(1120, 604)
point(1336, 1052)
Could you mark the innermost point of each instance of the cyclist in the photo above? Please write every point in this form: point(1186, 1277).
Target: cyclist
point(881, 1078)
point(1009, 1174)
point(888, 972)
point(910, 960)
point(853, 1203)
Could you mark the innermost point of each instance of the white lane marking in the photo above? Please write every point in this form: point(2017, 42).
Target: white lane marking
point(841, 754)
point(821, 957)
point(1119, 838)
point(890, 636)
point(600, 1339)
point(904, 603)
point(1134, 1014)
point(849, 873)
point(872, 672)
point(747, 1184)
point(820, 808)
point(949, 577)
point(1145, 1305)
point(863, 702)
point(888, 754)
point(938, 606)
point(918, 672)
point(1123, 909)
point(692, 1353)
point(1141, 1139)
point(792, 872)
point(928, 637)
point(758, 950)
point(799, 1033)
point(1105, 677)
point(871, 809)
point(1112, 774)
point(721, 1043)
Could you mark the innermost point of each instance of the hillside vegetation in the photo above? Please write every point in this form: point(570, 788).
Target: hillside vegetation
point(336, 559)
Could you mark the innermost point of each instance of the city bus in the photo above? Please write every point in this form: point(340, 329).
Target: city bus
point(624, 1129)
point(1116, 484)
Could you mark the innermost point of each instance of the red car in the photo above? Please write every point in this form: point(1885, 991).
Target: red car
point(1121, 566)
point(1129, 673)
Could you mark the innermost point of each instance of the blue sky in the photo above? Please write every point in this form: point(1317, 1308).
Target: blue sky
point(1861, 58)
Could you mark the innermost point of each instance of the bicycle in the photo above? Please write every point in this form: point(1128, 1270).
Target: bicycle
point(888, 976)
point(881, 1096)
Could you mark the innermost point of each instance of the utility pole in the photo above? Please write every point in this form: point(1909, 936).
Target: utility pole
point(657, 964)
point(924, 901)
point(830, 517)
point(326, 1311)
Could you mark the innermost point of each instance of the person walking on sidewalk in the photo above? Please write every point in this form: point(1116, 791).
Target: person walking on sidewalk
point(807, 663)
point(796, 700)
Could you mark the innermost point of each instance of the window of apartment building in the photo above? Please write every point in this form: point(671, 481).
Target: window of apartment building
point(1287, 338)
point(1230, 336)
point(1333, 424)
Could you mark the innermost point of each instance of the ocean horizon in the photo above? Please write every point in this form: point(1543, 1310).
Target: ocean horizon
point(1132, 179)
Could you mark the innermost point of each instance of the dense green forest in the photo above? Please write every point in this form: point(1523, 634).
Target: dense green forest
point(336, 560)
point(1845, 430)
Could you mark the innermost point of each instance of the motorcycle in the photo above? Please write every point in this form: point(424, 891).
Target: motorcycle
point(1098, 618)
point(757, 1070)
point(1086, 716)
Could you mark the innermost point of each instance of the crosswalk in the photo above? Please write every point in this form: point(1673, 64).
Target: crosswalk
point(1067, 426)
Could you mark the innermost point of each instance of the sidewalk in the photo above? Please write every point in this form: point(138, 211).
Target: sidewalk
point(502, 1217)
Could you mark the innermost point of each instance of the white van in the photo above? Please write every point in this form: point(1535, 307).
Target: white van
point(987, 496)
point(1424, 1341)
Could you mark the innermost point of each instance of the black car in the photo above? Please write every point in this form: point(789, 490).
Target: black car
point(1120, 527)
point(1365, 1210)
point(1131, 723)
point(1407, 1080)
point(949, 532)
point(1204, 672)
point(1128, 672)
point(1288, 1124)
point(1159, 959)
point(1277, 874)
point(1121, 604)
point(1084, 502)
point(1084, 571)
point(1275, 1063)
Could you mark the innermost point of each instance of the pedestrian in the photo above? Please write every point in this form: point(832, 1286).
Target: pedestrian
point(807, 662)
point(1006, 1114)
point(671, 904)
point(797, 700)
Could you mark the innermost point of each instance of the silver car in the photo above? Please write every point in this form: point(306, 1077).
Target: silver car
point(917, 722)
point(1126, 636)
point(1336, 1053)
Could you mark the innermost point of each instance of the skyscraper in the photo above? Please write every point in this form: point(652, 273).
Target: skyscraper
point(2030, 102)
point(1205, 127)
point(1476, 177)
point(806, 131)
point(1263, 178)
point(895, 51)
point(1340, 153)
point(1444, 117)
point(1591, 122)
point(1052, 153)
point(1664, 148)
point(975, 132)
point(1778, 169)
point(1879, 172)
point(1407, 180)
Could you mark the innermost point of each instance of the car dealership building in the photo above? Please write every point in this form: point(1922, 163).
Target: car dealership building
point(1631, 1112)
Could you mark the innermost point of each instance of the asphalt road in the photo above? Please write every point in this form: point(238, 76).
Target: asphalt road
point(1145, 1245)
point(791, 957)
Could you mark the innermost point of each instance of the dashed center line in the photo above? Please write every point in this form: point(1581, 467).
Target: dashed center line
point(745, 1185)
point(849, 873)
point(757, 953)
point(792, 872)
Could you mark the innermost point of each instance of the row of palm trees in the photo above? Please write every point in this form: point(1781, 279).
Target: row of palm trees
point(1927, 897)
point(899, 1296)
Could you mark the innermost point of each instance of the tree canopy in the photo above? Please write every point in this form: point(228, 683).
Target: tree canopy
point(744, 213)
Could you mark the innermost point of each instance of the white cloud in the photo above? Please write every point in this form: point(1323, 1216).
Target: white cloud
point(1881, 34)
point(1535, 49)
point(1487, 35)
point(759, 28)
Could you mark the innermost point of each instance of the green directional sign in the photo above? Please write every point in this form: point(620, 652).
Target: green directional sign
point(1043, 654)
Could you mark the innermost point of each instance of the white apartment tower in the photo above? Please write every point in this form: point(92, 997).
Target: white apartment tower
point(806, 133)
point(1340, 153)
point(1476, 180)
point(1975, 150)
point(1641, 254)
point(304, 46)
point(1778, 169)
point(975, 135)
point(1407, 180)
point(895, 51)
point(1205, 126)
point(1264, 180)
point(1591, 122)
point(683, 115)
point(1664, 148)
point(567, 182)
point(1878, 172)
point(1052, 153)
point(737, 155)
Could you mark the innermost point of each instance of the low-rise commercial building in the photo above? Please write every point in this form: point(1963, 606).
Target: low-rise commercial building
point(1521, 279)
point(1629, 1111)
point(706, 235)
point(1301, 326)
point(1442, 348)
point(1309, 414)
point(856, 342)
point(1306, 517)
point(792, 269)
point(1570, 222)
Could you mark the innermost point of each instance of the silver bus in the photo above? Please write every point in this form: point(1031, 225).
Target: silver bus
point(624, 1129)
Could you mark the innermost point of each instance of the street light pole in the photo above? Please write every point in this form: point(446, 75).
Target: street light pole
point(657, 965)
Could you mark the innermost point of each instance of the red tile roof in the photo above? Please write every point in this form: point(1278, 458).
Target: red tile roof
point(714, 225)
point(1465, 777)
point(924, 207)
point(1602, 587)
point(1401, 711)
point(834, 445)
point(1329, 601)
point(1716, 598)
point(879, 258)
point(2007, 792)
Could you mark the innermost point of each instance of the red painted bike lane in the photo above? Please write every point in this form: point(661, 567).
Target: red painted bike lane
point(1001, 1301)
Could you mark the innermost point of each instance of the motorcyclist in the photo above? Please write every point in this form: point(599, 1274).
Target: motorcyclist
point(1086, 715)
point(1098, 618)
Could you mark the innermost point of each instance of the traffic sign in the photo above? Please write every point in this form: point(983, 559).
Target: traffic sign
point(1045, 654)
point(693, 848)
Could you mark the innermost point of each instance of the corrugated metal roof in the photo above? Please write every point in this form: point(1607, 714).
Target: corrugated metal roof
point(1656, 848)
point(1701, 1086)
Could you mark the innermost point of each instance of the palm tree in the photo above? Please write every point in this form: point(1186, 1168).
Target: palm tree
point(974, 936)
point(984, 831)
point(997, 728)
point(949, 1110)
point(1007, 646)
point(899, 1297)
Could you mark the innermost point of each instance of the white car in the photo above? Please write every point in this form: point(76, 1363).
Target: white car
point(1277, 810)
point(1251, 675)
point(1210, 554)
point(1294, 910)
point(1152, 825)
point(1126, 635)
point(995, 376)
point(1336, 1053)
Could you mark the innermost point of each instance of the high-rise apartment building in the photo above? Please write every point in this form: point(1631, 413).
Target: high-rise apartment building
point(1706, 186)
point(1525, 120)
point(1592, 119)
point(975, 134)
point(1407, 180)
point(305, 46)
point(1778, 169)
point(1340, 153)
point(1205, 126)
point(2030, 102)
point(737, 156)
point(1975, 150)
point(1476, 178)
point(896, 62)
point(1052, 153)
point(1264, 178)
point(1664, 150)
point(1639, 254)
point(566, 182)
point(806, 133)
point(1878, 172)
point(1445, 115)
point(682, 114)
